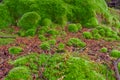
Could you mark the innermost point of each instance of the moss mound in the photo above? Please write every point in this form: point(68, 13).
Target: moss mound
point(29, 20)
point(19, 73)
point(65, 67)
point(5, 18)
point(15, 50)
point(60, 11)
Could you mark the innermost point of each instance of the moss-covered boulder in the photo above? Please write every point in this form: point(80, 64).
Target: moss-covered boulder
point(5, 18)
point(29, 20)
point(19, 73)
point(61, 11)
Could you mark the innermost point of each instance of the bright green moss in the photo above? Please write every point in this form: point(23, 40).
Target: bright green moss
point(29, 20)
point(6, 41)
point(43, 30)
point(75, 42)
point(79, 26)
point(21, 33)
point(95, 31)
point(74, 68)
point(23, 6)
point(109, 34)
point(52, 42)
point(15, 50)
point(46, 22)
point(115, 53)
point(52, 32)
point(45, 46)
point(87, 35)
point(64, 66)
point(30, 32)
point(5, 18)
point(24, 60)
point(93, 22)
point(102, 32)
point(55, 11)
point(73, 28)
point(42, 38)
point(61, 11)
point(104, 50)
point(110, 39)
point(97, 36)
point(60, 47)
point(106, 32)
point(19, 73)
point(43, 58)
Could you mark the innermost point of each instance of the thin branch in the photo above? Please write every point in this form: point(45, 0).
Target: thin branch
point(116, 68)
point(7, 37)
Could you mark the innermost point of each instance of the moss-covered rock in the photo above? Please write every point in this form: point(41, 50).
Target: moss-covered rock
point(19, 73)
point(29, 20)
point(5, 17)
point(61, 11)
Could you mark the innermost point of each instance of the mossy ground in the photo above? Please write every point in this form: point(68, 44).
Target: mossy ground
point(92, 51)
point(52, 50)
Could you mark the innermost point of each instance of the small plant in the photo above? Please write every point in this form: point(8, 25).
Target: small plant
point(52, 42)
point(92, 22)
point(97, 36)
point(19, 73)
point(43, 30)
point(87, 35)
point(61, 47)
point(76, 42)
point(42, 38)
point(79, 26)
point(52, 32)
point(15, 50)
point(104, 50)
point(95, 31)
point(109, 33)
point(115, 53)
point(73, 28)
point(45, 46)
point(46, 22)
point(102, 32)
point(30, 32)
point(29, 20)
